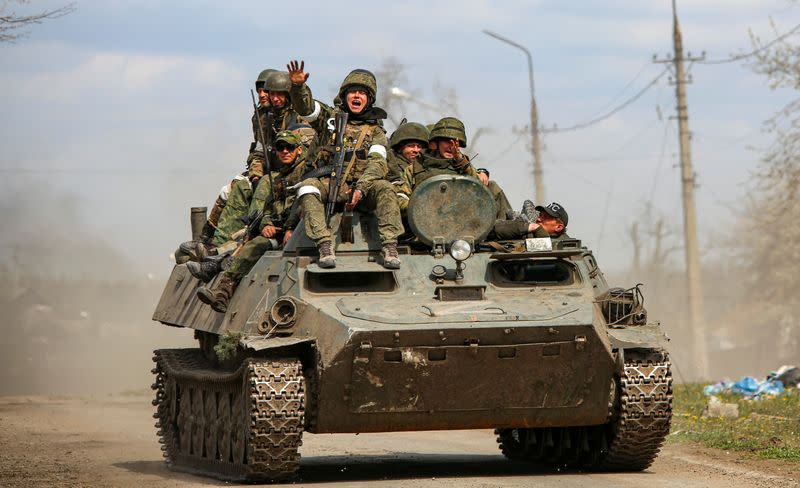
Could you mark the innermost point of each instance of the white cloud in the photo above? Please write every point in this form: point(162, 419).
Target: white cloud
point(86, 73)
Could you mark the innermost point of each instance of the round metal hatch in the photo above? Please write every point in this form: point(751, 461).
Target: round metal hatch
point(450, 207)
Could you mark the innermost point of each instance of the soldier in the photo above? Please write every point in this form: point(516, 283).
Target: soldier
point(447, 137)
point(197, 251)
point(444, 156)
point(275, 104)
point(407, 142)
point(277, 222)
point(278, 108)
point(365, 163)
point(551, 222)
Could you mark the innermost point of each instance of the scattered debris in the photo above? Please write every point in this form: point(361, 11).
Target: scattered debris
point(788, 375)
point(715, 408)
point(747, 387)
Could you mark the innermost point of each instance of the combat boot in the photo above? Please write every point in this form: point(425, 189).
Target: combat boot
point(190, 251)
point(206, 270)
point(327, 258)
point(529, 212)
point(219, 295)
point(391, 259)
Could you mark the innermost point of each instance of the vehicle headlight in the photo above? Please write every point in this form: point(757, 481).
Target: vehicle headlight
point(460, 250)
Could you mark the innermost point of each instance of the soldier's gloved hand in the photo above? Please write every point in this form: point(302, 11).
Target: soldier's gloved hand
point(286, 236)
point(296, 73)
point(269, 231)
point(354, 199)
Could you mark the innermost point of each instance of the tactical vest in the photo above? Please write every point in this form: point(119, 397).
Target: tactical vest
point(355, 153)
point(281, 119)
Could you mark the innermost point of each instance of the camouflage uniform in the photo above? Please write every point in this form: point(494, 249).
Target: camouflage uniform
point(429, 165)
point(407, 132)
point(283, 213)
point(518, 229)
point(282, 119)
point(365, 162)
point(243, 201)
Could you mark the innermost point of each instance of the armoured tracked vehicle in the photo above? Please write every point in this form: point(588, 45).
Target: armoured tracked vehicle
point(532, 343)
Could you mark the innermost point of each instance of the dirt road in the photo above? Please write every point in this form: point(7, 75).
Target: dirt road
point(110, 441)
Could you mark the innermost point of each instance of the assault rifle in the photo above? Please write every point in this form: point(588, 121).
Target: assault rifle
point(266, 144)
point(338, 165)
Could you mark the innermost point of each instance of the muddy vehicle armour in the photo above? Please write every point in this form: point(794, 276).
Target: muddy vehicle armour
point(467, 334)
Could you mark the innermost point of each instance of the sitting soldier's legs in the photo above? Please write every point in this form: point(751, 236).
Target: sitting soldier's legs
point(381, 199)
point(248, 256)
point(312, 193)
point(220, 294)
point(236, 208)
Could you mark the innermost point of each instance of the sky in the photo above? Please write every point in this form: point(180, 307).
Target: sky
point(120, 116)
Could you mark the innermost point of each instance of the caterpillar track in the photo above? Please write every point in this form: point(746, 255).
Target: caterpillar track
point(242, 425)
point(630, 441)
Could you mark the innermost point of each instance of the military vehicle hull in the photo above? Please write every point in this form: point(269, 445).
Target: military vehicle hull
point(532, 344)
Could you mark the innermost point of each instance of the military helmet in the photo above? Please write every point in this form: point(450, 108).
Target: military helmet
point(278, 81)
point(450, 128)
point(262, 77)
point(363, 78)
point(410, 131)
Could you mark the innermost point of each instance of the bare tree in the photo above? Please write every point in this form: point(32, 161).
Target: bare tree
point(399, 97)
point(14, 26)
point(771, 254)
point(391, 78)
point(653, 242)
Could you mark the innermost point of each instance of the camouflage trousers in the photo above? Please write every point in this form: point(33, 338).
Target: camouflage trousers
point(379, 198)
point(242, 201)
point(248, 256)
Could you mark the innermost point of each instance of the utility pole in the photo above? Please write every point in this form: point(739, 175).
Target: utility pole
point(536, 147)
point(694, 276)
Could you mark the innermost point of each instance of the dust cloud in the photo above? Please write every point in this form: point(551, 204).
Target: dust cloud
point(745, 336)
point(76, 316)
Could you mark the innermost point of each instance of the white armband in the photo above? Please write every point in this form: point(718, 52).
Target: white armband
point(307, 190)
point(377, 149)
point(313, 115)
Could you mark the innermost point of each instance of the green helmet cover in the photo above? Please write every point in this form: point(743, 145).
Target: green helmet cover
point(410, 131)
point(278, 81)
point(262, 77)
point(450, 128)
point(363, 78)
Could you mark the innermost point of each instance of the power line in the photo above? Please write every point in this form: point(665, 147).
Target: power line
point(507, 148)
point(623, 105)
point(740, 57)
point(619, 94)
